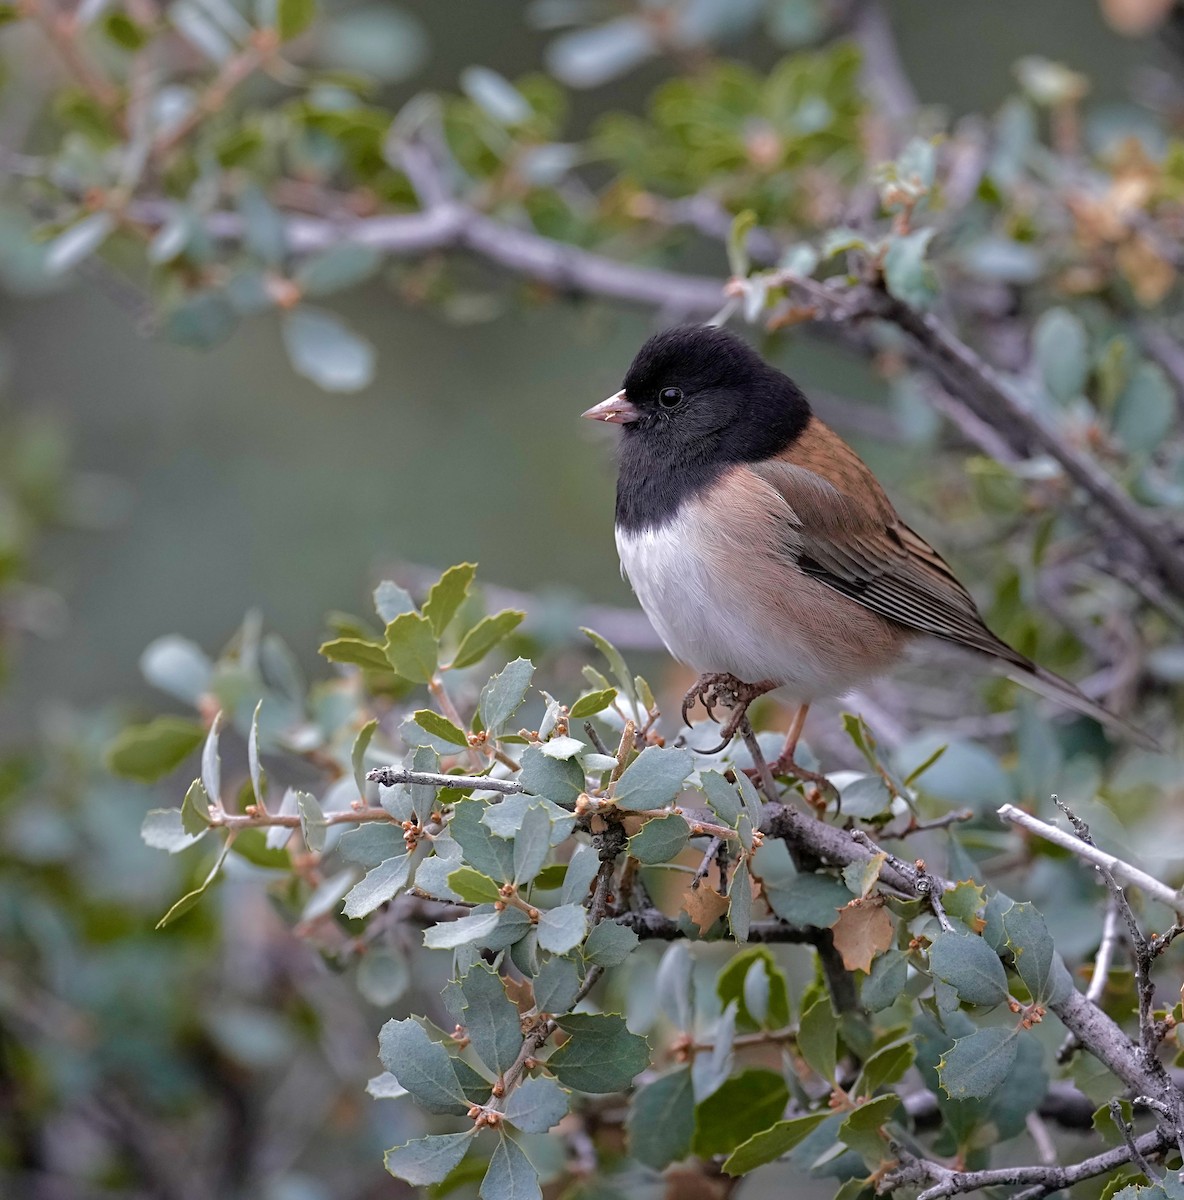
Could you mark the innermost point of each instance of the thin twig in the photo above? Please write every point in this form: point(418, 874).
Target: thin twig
point(1103, 961)
point(1128, 1136)
point(390, 776)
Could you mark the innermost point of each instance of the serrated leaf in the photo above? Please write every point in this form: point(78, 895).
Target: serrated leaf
point(532, 843)
point(740, 902)
point(975, 1066)
point(474, 887)
point(660, 839)
point(600, 1055)
point(370, 656)
point(537, 1105)
point(448, 594)
point(562, 929)
point(428, 1160)
point(591, 703)
point(149, 752)
point(1035, 955)
point(379, 885)
point(411, 647)
point(559, 780)
point(743, 1106)
point(965, 902)
point(969, 966)
point(861, 1131)
point(490, 1018)
point(661, 1120)
point(510, 1175)
point(423, 1067)
point(817, 1034)
point(886, 981)
point(371, 843)
point(654, 778)
point(504, 694)
point(438, 726)
point(609, 944)
point(772, 1143)
point(486, 634)
point(475, 929)
point(722, 797)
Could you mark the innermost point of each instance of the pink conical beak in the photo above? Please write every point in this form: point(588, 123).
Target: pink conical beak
point(616, 410)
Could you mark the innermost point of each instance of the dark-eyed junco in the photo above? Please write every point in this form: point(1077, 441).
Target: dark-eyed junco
point(764, 551)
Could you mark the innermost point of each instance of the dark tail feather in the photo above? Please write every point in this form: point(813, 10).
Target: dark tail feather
point(1052, 686)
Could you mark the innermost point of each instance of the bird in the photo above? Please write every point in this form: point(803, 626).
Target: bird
point(765, 553)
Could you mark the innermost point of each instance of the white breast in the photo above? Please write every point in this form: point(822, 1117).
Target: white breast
point(707, 619)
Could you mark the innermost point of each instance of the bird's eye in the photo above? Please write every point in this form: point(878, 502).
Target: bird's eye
point(670, 397)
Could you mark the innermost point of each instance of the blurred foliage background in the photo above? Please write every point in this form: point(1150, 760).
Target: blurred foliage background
point(148, 488)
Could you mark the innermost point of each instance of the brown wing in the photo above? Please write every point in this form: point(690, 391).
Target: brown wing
point(841, 529)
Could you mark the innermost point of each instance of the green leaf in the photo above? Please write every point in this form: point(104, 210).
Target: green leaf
point(592, 702)
point(537, 1105)
point(432, 722)
point(293, 17)
point(1061, 348)
point(78, 242)
point(556, 985)
point(886, 982)
point(322, 348)
point(722, 797)
point(600, 1055)
point(562, 929)
point(149, 752)
point(1144, 411)
point(616, 663)
point(975, 1066)
point(423, 1067)
point(195, 809)
point(532, 844)
point(371, 843)
point(885, 1066)
point(383, 976)
point(817, 1035)
point(411, 647)
point(861, 1130)
point(660, 839)
point(510, 1175)
point(254, 768)
point(370, 656)
point(740, 902)
point(447, 935)
point(341, 266)
point(391, 601)
point(312, 821)
point(1036, 960)
point(742, 225)
point(654, 778)
point(489, 854)
point(474, 887)
point(428, 1160)
point(742, 1106)
point(490, 1018)
point(771, 1144)
point(486, 634)
point(357, 754)
point(609, 944)
point(907, 273)
point(187, 901)
point(494, 93)
point(812, 899)
point(503, 695)
point(559, 780)
point(379, 885)
point(661, 1120)
point(970, 966)
point(730, 987)
point(448, 594)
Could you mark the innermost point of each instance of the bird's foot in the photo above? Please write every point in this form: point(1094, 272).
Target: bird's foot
point(721, 690)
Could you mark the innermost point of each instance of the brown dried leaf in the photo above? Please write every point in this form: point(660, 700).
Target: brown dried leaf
point(704, 905)
point(863, 930)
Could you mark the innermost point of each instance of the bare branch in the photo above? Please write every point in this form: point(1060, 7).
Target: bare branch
point(1122, 871)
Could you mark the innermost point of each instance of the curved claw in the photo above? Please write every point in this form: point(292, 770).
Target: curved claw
point(718, 749)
